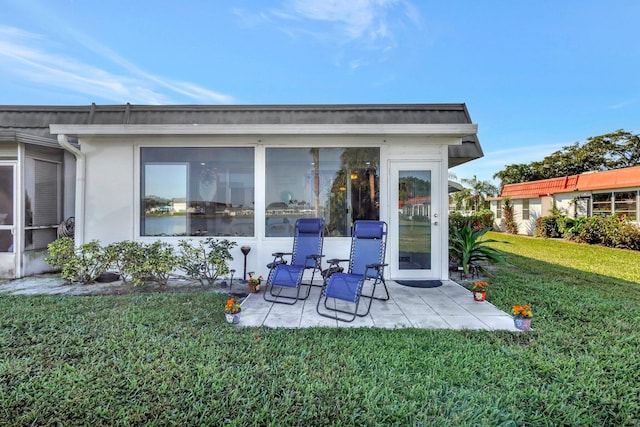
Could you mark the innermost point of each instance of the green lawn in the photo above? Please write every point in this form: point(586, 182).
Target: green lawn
point(168, 359)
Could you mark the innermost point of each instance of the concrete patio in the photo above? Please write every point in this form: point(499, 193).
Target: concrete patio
point(449, 306)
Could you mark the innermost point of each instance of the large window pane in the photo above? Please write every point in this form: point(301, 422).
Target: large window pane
point(197, 191)
point(626, 203)
point(339, 185)
point(601, 204)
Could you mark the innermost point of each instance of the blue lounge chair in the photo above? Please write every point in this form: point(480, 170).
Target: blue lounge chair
point(306, 255)
point(366, 264)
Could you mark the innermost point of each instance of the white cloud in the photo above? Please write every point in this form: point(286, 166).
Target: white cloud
point(622, 104)
point(371, 22)
point(30, 57)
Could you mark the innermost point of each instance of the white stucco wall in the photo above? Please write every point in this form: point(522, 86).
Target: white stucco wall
point(565, 202)
point(109, 190)
point(528, 226)
point(112, 199)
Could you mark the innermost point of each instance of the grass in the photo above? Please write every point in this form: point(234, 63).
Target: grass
point(619, 264)
point(159, 359)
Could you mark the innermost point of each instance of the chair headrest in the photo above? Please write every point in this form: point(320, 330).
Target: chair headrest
point(368, 229)
point(309, 225)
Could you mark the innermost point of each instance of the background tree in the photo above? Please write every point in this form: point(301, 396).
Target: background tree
point(515, 173)
point(615, 150)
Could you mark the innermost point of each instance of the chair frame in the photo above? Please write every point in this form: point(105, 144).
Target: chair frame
point(372, 271)
point(311, 261)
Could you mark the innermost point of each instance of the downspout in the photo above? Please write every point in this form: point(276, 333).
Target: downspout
point(63, 140)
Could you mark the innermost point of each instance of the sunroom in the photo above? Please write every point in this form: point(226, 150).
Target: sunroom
point(246, 173)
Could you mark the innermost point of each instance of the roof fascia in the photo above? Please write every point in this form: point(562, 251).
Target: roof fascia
point(457, 130)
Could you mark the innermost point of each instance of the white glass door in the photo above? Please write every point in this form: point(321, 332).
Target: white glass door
point(414, 237)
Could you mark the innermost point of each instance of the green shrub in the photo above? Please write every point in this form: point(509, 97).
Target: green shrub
point(207, 260)
point(159, 261)
point(613, 231)
point(135, 261)
point(564, 223)
point(586, 230)
point(126, 258)
point(629, 237)
point(82, 264)
point(547, 227)
point(478, 220)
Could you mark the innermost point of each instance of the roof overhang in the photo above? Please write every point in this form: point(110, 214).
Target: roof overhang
point(452, 130)
point(25, 138)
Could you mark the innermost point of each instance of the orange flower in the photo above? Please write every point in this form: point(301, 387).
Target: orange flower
point(480, 286)
point(522, 311)
point(231, 306)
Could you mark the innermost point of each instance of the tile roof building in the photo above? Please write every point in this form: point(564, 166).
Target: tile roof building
point(590, 193)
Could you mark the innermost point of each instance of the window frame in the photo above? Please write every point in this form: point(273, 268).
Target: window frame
point(526, 214)
point(227, 144)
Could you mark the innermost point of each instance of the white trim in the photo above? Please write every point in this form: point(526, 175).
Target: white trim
point(458, 130)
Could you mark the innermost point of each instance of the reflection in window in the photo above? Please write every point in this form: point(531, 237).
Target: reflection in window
point(339, 185)
point(197, 191)
point(626, 203)
point(601, 204)
point(414, 204)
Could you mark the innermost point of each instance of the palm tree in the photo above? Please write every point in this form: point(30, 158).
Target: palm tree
point(479, 191)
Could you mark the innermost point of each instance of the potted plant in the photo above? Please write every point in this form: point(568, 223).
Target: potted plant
point(479, 290)
point(232, 311)
point(522, 315)
point(254, 283)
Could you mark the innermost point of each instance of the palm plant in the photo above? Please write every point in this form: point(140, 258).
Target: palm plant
point(470, 248)
point(478, 192)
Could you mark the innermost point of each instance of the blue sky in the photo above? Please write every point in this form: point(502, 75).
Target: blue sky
point(535, 75)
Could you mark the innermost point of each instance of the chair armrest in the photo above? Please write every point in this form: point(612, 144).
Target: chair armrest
point(334, 261)
point(377, 266)
point(281, 254)
point(278, 259)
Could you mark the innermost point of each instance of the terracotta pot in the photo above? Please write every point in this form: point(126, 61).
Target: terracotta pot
point(479, 296)
point(254, 287)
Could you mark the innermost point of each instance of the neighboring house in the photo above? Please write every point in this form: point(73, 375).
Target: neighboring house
point(592, 193)
point(246, 173)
